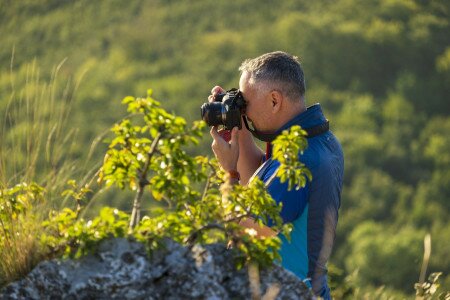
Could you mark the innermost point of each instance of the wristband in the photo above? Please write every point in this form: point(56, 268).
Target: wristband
point(234, 174)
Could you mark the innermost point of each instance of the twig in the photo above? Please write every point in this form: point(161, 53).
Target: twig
point(208, 181)
point(426, 257)
point(194, 235)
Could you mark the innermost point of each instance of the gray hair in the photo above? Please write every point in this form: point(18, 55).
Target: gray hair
point(280, 70)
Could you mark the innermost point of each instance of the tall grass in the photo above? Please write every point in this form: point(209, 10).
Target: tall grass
point(37, 144)
point(36, 139)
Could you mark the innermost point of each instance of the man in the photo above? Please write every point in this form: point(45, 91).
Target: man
point(273, 87)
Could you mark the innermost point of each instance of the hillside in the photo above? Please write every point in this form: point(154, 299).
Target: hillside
point(380, 69)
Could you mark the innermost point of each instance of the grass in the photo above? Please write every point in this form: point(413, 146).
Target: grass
point(37, 144)
point(36, 139)
point(20, 250)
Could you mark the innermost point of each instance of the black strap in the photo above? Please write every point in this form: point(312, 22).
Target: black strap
point(312, 132)
point(269, 137)
point(317, 130)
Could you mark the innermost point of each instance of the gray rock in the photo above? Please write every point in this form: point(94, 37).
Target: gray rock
point(121, 269)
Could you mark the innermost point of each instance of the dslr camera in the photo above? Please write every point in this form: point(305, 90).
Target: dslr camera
point(226, 110)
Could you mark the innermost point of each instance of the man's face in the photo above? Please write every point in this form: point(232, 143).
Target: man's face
point(257, 98)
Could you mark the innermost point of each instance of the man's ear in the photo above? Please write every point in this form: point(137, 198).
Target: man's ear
point(277, 100)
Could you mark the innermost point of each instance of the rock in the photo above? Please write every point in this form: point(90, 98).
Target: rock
point(121, 269)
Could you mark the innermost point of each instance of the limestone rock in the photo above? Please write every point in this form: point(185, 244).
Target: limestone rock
point(121, 269)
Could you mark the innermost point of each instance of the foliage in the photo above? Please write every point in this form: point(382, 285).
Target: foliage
point(151, 155)
point(77, 194)
point(66, 235)
point(431, 289)
point(286, 147)
point(398, 250)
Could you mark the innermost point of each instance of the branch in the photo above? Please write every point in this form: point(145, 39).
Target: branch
point(136, 212)
point(152, 151)
point(194, 235)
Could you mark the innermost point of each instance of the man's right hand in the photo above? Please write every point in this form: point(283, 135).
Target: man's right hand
point(227, 153)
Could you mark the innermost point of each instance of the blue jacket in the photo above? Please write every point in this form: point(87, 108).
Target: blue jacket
point(313, 210)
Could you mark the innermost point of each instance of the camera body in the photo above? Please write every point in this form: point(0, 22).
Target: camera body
point(226, 110)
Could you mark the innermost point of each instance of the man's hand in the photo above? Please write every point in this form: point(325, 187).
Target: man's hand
point(261, 230)
point(250, 155)
point(225, 145)
point(227, 153)
point(214, 92)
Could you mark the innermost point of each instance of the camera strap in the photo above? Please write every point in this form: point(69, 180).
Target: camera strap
point(269, 137)
point(312, 132)
point(317, 130)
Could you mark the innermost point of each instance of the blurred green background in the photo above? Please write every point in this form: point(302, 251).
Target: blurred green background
point(380, 69)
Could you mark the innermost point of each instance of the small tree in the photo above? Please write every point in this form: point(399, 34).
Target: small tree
point(147, 154)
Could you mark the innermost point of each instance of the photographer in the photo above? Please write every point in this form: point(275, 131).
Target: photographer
point(272, 86)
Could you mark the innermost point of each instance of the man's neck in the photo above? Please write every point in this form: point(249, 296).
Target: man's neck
point(289, 113)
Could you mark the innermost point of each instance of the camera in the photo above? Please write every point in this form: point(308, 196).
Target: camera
point(226, 110)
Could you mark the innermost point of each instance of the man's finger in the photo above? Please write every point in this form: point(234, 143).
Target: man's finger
point(214, 133)
point(217, 90)
point(234, 136)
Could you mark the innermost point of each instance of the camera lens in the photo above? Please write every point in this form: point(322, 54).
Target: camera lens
point(212, 113)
